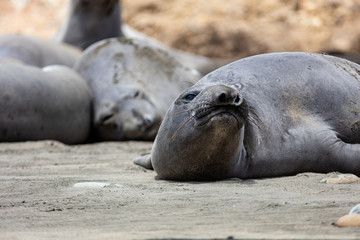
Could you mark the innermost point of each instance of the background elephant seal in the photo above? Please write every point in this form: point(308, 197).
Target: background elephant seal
point(263, 116)
point(89, 21)
point(133, 85)
point(36, 52)
point(38, 104)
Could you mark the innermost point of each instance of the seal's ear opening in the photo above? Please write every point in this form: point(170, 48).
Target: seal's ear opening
point(144, 161)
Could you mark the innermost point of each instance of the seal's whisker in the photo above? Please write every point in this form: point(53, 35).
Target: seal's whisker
point(196, 108)
point(254, 121)
point(179, 129)
point(175, 114)
point(254, 118)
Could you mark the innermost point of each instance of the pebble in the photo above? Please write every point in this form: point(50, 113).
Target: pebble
point(350, 220)
point(341, 179)
point(355, 210)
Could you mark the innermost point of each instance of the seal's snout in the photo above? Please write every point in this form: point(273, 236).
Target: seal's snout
point(143, 119)
point(219, 100)
point(148, 120)
point(227, 96)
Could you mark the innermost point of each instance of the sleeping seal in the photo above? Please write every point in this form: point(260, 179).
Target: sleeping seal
point(133, 84)
point(39, 104)
point(263, 116)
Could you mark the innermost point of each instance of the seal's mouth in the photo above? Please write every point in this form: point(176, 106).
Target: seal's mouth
point(146, 133)
point(204, 114)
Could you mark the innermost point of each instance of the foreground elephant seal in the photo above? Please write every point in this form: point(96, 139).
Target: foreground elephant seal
point(133, 85)
point(37, 52)
point(38, 104)
point(263, 116)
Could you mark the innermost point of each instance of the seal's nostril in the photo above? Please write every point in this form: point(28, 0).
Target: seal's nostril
point(238, 100)
point(222, 98)
point(147, 121)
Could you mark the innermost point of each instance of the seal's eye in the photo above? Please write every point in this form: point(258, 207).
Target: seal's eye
point(136, 94)
point(189, 97)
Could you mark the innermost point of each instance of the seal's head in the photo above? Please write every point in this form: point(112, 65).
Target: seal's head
point(201, 136)
point(126, 113)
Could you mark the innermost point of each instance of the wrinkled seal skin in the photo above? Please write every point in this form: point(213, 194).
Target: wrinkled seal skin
point(36, 52)
point(133, 85)
point(263, 116)
point(39, 104)
point(201, 63)
point(89, 21)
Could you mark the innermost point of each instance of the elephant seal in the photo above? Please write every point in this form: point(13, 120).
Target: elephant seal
point(263, 116)
point(89, 21)
point(133, 84)
point(37, 52)
point(39, 104)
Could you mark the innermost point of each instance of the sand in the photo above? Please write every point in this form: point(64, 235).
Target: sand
point(39, 200)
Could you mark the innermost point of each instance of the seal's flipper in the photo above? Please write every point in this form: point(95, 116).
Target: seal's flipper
point(334, 153)
point(144, 161)
point(348, 156)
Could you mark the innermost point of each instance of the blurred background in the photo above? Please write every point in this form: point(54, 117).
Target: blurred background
point(231, 28)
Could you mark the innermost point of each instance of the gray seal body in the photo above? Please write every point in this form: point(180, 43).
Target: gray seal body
point(263, 116)
point(39, 104)
point(133, 84)
point(36, 52)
